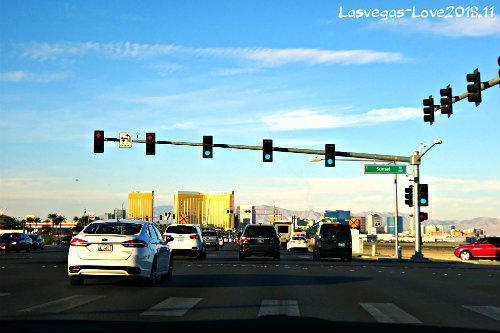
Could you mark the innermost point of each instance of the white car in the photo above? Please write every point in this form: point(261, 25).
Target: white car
point(129, 248)
point(298, 243)
point(186, 240)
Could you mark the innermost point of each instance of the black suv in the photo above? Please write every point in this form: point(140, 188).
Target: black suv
point(259, 240)
point(333, 240)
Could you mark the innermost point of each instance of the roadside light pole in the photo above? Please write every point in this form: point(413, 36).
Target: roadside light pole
point(396, 230)
point(416, 181)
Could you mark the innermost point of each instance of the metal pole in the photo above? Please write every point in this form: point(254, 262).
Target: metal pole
point(396, 231)
point(418, 234)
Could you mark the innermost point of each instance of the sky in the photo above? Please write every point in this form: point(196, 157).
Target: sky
point(298, 72)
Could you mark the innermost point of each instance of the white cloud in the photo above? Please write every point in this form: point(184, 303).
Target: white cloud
point(263, 56)
point(452, 27)
point(310, 119)
point(23, 76)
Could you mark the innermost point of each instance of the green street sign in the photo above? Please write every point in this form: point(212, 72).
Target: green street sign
point(385, 169)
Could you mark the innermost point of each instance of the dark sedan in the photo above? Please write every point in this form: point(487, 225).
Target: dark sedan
point(15, 241)
point(38, 241)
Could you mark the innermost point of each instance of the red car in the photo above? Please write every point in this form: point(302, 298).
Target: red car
point(488, 247)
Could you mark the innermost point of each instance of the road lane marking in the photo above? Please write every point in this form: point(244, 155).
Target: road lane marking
point(4, 294)
point(271, 307)
point(172, 307)
point(389, 313)
point(488, 311)
point(62, 304)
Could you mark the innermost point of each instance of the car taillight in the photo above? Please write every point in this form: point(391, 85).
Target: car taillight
point(244, 239)
point(78, 242)
point(135, 243)
point(194, 237)
point(165, 236)
point(319, 243)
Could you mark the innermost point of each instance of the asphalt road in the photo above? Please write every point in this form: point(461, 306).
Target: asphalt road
point(34, 286)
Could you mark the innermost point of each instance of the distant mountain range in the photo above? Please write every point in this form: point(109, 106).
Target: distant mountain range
point(490, 224)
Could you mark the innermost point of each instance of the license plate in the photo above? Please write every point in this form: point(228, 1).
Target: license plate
point(180, 240)
point(341, 244)
point(105, 247)
point(260, 241)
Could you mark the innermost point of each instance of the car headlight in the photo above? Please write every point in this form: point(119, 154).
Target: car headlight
point(14, 243)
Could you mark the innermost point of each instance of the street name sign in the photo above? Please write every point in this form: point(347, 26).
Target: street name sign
point(384, 169)
point(125, 140)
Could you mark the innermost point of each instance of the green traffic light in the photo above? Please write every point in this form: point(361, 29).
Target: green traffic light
point(207, 152)
point(267, 156)
point(423, 201)
point(329, 161)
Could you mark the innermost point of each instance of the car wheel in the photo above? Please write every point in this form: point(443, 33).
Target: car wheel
point(465, 255)
point(242, 257)
point(202, 256)
point(76, 280)
point(153, 278)
point(315, 256)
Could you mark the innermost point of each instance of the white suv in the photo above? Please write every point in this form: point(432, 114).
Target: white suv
point(186, 240)
point(128, 248)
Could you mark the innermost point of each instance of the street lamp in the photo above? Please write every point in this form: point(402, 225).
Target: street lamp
point(436, 142)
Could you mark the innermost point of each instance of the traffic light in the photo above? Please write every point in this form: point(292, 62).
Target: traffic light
point(446, 101)
point(99, 142)
point(474, 89)
point(267, 150)
point(150, 143)
point(329, 155)
point(208, 142)
point(409, 196)
point(423, 216)
point(429, 110)
point(423, 195)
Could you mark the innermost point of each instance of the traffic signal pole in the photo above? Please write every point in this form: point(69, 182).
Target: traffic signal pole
point(418, 229)
point(396, 230)
point(374, 157)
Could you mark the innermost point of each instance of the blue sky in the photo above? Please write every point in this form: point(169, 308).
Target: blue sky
point(291, 71)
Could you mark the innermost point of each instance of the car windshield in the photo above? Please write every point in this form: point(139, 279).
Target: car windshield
point(265, 232)
point(332, 231)
point(181, 229)
point(11, 236)
point(113, 228)
point(298, 238)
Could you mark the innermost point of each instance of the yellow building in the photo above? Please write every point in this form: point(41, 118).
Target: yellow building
point(140, 205)
point(215, 208)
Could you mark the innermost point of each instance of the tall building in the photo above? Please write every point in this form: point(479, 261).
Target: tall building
point(216, 208)
point(362, 224)
point(341, 216)
point(140, 205)
point(120, 214)
point(391, 228)
point(374, 224)
point(247, 214)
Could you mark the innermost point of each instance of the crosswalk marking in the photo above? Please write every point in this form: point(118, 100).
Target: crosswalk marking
point(4, 294)
point(389, 313)
point(489, 311)
point(279, 307)
point(172, 307)
point(62, 304)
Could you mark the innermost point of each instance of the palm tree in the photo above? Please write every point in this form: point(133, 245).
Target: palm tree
point(52, 217)
point(60, 220)
point(37, 220)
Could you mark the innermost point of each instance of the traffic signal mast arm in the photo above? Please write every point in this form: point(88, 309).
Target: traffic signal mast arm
point(375, 157)
point(484, 86)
